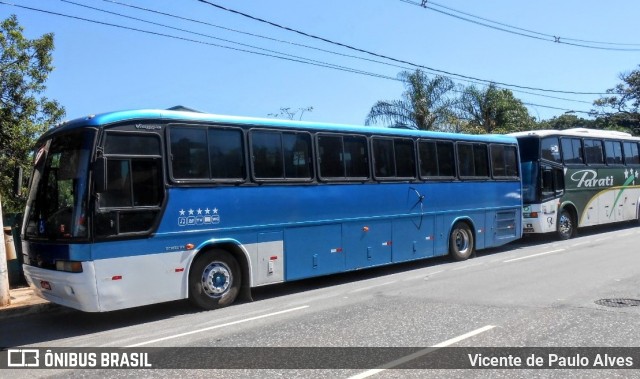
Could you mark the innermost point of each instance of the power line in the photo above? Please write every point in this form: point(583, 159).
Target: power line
point(307, 46)
point(519, 31)
point(292, 59)
point(391, 58)
point(287, 58)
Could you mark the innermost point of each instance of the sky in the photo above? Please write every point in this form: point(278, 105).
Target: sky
point(191, 53)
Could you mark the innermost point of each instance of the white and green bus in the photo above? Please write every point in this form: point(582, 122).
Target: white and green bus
point(578, 177)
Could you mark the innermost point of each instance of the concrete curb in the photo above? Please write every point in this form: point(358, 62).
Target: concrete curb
point(24, 302)
point(26, 309)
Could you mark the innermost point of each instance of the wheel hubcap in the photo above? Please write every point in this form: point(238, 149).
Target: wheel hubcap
point(462, 241)
point(565, 224)
point(216, 279)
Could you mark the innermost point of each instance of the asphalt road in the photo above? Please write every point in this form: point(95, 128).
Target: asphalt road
point(536, 292)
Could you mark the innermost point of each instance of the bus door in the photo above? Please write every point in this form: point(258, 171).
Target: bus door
point(551, 189)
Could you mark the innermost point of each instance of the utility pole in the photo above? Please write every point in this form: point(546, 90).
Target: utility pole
point(5, 297)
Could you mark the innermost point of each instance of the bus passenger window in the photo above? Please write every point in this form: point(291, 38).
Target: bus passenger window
point(330, 151)
point(504, 161)
point(405, 158)
point(356, 157)
point(384, 158)
point(465, 160)
point(551, 149)
point(446, 165)
point(189, 153)
point(631, 153)
point(226, 153)
point(267, 155)
point(593, 151)
point(297, 155)
point(480, 157)
point(428, 159)
point(613, 151)
point(572, 151)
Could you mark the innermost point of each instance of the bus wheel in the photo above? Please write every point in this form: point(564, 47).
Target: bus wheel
point(214, 280)
point(461, 242)
point(566, 228)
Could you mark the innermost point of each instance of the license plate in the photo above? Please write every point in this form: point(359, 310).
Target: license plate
point(45, 285)
point(528, 230)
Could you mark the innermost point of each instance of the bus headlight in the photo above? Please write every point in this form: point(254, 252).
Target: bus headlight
point(69, 266)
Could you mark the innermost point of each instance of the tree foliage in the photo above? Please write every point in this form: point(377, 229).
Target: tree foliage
point(493, 110)
point(426, 103)
point(24, 112)
point(622, 106)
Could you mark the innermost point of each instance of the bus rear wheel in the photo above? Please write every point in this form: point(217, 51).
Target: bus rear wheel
point(566, 227)
point(461, 242)
point(214, 280)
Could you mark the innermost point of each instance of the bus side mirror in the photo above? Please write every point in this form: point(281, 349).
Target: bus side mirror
point(100, 174)
point(17, 182)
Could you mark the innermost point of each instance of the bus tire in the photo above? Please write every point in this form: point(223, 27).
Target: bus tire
point(566, 225)
point(214, 280)
point(461, 242)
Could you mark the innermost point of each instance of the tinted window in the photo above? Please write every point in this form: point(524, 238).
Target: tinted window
point(446, 165)
point(465, 160)
point(330, 156)
point(356, 157)
point(343, 157)
point(613, 151)
point(428, 159)
point(504, 161)
point(593, 151)
point(384, 158)
point(572, 151)
point(189, 158)
point(631, 153)
point(394, 158)
point(297, 155)
point(267, 155)
point(131, 144)
point(405, 158)
point(473, 160)
point(226, 154)
point(551, 149)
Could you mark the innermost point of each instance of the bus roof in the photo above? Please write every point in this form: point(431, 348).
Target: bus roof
point(577, 132)
point(181, 116)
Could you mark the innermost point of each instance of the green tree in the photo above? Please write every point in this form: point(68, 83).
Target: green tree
point(426, 103)
point(567, 121)
point(493, 110)
point(24, 112)
point(622, 106)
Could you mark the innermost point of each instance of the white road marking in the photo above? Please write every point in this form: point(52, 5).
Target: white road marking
point(534, 255)
point(421, 353)
point(219, 326)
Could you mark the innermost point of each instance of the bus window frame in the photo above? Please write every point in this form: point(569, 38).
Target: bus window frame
point(473, 144)
point(453, 160)
point(205, 127)
point(517, 162)
point(103, 158)
point(283, 179)
point(395, 176)
point(337, 179)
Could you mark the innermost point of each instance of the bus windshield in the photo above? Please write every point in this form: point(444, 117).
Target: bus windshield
point(57, 203)
point(530, 173)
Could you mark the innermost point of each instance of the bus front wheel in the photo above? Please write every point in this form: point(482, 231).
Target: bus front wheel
point(461, 242)
point(566, 227)
point(214, 280)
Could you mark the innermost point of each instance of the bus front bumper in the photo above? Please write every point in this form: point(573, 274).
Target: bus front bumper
point(74, 290)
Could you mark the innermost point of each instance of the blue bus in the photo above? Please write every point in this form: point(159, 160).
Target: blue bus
point(138, 207)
